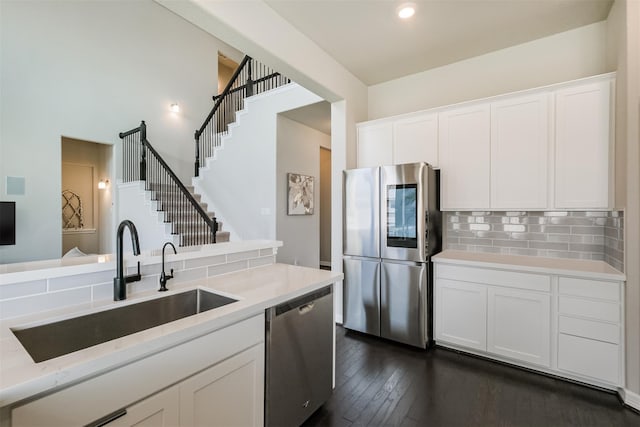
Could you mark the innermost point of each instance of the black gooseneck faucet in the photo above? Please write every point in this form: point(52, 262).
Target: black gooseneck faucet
point(163, 277)
point(120, 281)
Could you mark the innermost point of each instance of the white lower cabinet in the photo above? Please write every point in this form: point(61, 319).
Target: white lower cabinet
point(215, 380)
point(518, 325)
point(511, 315)
point(227, 394)
point(590, 329)
point(159, 410)
point(461, 312)
point(230, 393)
point(590, 358)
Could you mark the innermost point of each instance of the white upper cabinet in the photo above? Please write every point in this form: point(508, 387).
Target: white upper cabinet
point(519, 152)
point(464, 158)
point(410, 139)
point(542, 149)
point(582, 173)
point(415, 139)
point(375, 144)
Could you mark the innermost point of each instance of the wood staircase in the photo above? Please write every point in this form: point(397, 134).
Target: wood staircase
point(184, 225)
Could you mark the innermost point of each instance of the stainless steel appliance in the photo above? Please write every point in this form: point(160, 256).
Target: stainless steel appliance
point(392, 226)
point(299, 358)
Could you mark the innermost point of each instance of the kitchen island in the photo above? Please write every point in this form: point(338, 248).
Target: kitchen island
point(124, 372)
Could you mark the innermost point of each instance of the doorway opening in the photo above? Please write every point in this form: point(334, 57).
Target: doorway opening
point(325, 208)
point(226, 68)
point(86, 199)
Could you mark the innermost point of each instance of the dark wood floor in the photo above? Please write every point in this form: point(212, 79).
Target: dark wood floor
point(379, 383)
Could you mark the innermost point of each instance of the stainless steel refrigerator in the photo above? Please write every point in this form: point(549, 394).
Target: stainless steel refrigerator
point(392, 226)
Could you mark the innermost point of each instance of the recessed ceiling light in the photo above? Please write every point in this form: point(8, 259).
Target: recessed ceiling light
point(406, 10)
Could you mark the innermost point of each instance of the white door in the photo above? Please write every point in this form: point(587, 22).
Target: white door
point(461, 313)
point(464, 148)
point(159, 410)
point(375, 144)
point(228, 394)
point(519, 152)
point(519, 325)
point(582, 146)
point(415, 139)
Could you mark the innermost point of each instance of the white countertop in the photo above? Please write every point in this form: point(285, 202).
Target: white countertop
point(574, 267)
point(256, 289)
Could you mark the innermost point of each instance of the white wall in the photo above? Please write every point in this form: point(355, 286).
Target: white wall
point(88, 70)
point(239, 184)
point(135, 205)
point(565, 56)
point(298, 152)
point(253, 27)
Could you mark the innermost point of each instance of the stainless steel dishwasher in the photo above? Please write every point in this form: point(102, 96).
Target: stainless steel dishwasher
point(299, 358)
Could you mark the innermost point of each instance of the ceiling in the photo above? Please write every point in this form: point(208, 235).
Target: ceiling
point(316, 116)
point(369, 40)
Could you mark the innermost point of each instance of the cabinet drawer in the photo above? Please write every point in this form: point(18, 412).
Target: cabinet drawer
point(594, 359)
point(590, 329)
point(600, 310)
point(512, 279)
point(589, 288)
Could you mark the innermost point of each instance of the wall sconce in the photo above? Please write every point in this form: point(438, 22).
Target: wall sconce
point(175, 108)
point(102, 184)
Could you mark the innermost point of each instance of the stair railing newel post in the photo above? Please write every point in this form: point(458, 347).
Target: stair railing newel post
point(197, 163)
point(249, 80)
point(143, 151)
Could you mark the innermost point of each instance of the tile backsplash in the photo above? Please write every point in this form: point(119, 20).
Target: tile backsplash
point(22, 298)
point(557, 234)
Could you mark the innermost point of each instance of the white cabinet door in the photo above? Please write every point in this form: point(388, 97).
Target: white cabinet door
point(582, 146)
point(415, 139)
point(375, 144)
point(519, 325)
point(159, 410)
point(519, 152)
point(228, 394)
point(464, 148)
point(461, 313)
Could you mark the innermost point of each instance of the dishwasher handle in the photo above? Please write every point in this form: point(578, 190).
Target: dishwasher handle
point(303, 304)
point(304, 309)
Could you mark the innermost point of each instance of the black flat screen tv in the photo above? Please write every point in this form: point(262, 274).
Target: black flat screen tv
point(7, 223)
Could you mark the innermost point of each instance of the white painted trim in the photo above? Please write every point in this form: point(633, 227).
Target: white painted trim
point(631, 399)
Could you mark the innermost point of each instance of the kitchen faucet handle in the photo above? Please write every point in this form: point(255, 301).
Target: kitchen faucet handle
point(163, 280)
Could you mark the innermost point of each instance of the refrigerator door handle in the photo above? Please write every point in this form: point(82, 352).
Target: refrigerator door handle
point(409, 263)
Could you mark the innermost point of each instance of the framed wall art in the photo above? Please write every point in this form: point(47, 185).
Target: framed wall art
point(299, 194)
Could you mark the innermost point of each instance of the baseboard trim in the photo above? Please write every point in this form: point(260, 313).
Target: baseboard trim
point(631, 399)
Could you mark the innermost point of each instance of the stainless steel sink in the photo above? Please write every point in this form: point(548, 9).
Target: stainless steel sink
point(51, 340)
